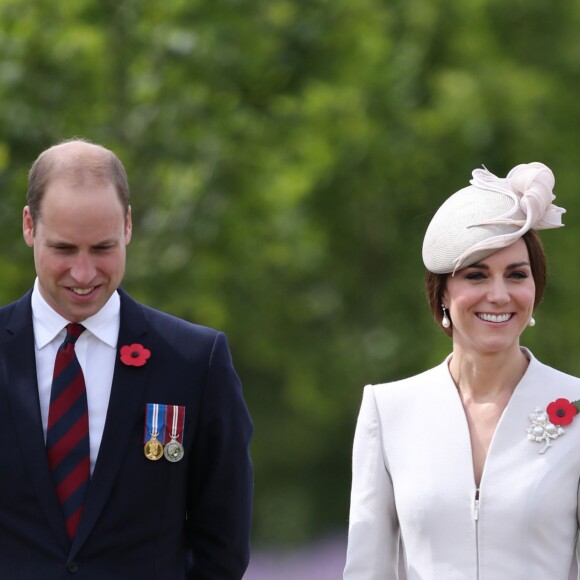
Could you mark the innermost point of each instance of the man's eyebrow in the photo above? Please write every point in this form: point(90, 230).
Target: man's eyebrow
point(110, 242)
point(59, 244)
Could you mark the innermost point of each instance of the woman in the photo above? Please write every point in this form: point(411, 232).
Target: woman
point(464, 470)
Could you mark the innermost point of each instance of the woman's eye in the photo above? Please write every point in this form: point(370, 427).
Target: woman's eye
point(475, 276)
point(519, 275)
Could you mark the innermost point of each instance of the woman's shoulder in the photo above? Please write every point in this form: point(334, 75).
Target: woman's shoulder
point(542, 372)
point(411, 400)
point(412, 385)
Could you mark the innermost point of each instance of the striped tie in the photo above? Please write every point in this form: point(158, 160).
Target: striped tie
point(67, 437)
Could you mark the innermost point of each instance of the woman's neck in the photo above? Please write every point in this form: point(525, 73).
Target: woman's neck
point(486, 377)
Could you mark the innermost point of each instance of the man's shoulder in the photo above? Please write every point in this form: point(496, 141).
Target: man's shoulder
point(25, 298)
point(7, 310)
point(169, 324)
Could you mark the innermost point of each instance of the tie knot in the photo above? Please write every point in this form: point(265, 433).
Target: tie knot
point(73, 331)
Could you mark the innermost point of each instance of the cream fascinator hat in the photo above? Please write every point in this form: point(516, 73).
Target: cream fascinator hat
point(488, 215)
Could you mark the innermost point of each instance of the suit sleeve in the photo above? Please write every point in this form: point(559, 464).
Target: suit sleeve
point(221, 479)
point(373, 537)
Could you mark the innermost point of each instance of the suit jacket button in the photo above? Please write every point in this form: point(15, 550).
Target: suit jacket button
point(72, 567)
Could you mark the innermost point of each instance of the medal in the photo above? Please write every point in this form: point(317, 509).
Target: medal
point(176, 418)
point(154, 426)
point(173, 451)
point(153, 448)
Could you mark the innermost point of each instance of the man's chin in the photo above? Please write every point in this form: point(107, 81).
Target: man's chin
point(79, 312)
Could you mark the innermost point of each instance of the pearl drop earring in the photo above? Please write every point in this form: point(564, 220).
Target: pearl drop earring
point(445, 322)
point(531, 322)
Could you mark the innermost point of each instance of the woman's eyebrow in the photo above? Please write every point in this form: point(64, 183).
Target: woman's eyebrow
point(483, 266)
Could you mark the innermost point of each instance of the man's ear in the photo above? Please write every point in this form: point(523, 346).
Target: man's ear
point(128, 226)
point(27, 227)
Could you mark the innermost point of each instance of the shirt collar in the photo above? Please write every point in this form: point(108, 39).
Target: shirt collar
point(48, 323)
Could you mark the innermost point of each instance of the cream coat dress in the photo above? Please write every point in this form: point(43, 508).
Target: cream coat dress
point(413, 488)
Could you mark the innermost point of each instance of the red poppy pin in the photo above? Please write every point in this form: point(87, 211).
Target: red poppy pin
point(548, 425)
point(134, 355)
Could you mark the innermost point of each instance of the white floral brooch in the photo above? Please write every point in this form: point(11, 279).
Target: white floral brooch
point(548, 425)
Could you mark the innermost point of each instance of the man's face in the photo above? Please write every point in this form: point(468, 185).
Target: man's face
point(79, 243)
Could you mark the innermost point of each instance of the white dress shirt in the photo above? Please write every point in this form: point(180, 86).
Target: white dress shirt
point(96, 351)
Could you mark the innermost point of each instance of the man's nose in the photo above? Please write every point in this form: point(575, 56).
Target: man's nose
point(83, 269)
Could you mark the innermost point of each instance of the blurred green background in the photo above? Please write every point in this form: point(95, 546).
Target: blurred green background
point(285, 157)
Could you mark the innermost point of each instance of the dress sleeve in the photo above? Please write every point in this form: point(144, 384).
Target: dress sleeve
point(574, 574)
point(373, 537)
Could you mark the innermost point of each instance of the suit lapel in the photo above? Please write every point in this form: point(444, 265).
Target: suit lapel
point(18, 365)
point(126, 404)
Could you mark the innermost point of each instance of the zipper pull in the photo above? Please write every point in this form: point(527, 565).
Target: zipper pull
point(476, 510)
point(476, 505)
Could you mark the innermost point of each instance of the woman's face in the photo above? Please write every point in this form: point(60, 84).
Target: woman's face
point(491, 302)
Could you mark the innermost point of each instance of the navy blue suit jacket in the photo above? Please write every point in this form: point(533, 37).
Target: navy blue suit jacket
point(142, 519)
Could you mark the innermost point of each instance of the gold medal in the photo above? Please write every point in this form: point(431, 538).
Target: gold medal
point(154, 427)
point(153, 449)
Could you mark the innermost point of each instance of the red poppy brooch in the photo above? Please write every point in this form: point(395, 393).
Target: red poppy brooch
point(134, 355)
point(548, 425)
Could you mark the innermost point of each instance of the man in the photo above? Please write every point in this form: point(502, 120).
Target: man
point(100, 499)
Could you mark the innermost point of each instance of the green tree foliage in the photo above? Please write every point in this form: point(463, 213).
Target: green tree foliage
point(285, 157)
